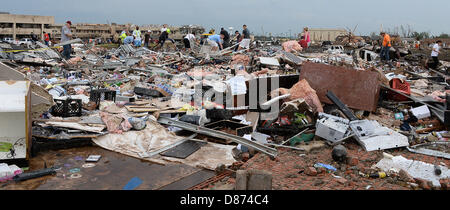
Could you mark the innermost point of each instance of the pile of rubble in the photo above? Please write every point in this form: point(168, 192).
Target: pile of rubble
point(227, 111)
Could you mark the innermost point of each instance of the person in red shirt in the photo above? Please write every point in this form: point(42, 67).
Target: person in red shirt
point(303, 42)
point(46, 38)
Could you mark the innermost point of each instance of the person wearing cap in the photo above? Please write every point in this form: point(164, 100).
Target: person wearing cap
point(66, 34)
point(384, 54)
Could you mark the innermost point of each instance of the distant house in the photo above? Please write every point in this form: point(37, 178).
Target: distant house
point(326, 34)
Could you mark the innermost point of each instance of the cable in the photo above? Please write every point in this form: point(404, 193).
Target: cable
point(12, 151)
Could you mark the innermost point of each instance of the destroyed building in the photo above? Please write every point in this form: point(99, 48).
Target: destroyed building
point(267, 117)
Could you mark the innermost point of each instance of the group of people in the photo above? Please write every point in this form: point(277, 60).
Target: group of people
point(305, 39)
point(137, 39)
point(386, 46)
point(219, 41)
point(223, 40)
point(46, 38)
point(134, 38)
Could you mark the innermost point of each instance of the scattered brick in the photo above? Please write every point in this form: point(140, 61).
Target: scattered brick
point(341, 180)
point(423, 183)
point(321, 170)
point(311, 171)
point(245, 156)
point(352, 161)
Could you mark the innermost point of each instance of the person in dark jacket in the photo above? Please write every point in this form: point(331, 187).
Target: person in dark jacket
point(226, 38)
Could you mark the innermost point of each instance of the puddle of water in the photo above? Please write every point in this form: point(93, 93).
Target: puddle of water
point(111, 172)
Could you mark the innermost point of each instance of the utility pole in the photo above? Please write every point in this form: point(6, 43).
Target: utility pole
point(262, 29)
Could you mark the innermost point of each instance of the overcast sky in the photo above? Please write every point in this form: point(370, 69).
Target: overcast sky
point(276, 16)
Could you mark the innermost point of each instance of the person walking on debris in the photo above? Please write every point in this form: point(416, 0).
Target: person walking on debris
point(226, 38)
point(245, 38)
point(46, 38)
point(147, 38)
point(66, 34)
point(188, 40)
point(435, 53)
point(215, 41)
point(137, 37)
point(386, 45)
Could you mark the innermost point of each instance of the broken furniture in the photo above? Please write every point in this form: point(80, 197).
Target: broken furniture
point(231, 127)
point(15, 122)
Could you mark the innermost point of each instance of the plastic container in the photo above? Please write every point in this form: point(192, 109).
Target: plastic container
point(8, 172)
point(101, 95)
point(403, 87)
point(67, 108)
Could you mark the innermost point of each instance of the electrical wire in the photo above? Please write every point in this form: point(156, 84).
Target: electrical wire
point(12, 151)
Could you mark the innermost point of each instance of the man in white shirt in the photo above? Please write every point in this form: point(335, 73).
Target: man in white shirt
point(189, 40)
point(435, 53)
point(164, 28)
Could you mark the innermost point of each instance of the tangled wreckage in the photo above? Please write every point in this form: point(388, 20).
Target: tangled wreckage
point(306, 120)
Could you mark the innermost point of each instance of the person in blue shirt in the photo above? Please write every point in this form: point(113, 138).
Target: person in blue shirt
point(216, 41)
point(129, 39)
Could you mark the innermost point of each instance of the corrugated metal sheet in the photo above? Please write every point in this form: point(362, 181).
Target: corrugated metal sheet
point(357, 89)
